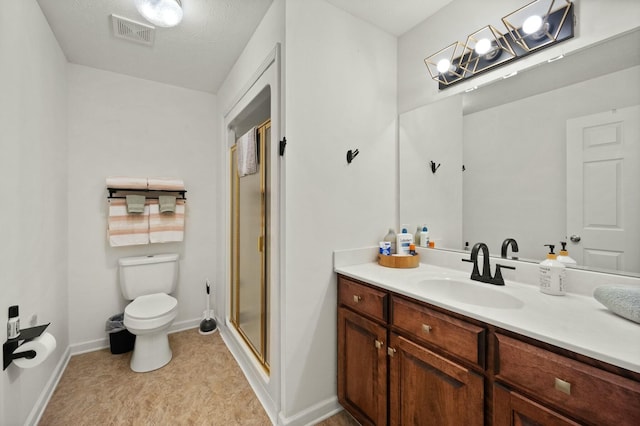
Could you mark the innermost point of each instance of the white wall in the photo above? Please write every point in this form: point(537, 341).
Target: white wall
point(33, 172)
point(596, 20)
point(530, 145)
point(432, 133)
point(340, 95)
point(119, 125)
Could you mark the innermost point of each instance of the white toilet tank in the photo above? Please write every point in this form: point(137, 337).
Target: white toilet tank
point(141, 275)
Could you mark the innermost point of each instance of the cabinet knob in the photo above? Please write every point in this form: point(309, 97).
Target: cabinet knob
point(379, 344)
point(426, 328)
point(563, 386)
point(356, 298)
point(391, 351)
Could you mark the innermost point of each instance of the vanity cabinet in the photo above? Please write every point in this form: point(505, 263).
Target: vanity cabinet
point(587, 393)
point(405, 362)
point(362, 363)
point(383, 343)
point(512, 409)
point(424, 386)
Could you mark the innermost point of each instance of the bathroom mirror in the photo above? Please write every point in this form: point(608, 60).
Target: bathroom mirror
point(507, 172)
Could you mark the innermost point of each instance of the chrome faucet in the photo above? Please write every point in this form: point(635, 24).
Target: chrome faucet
point(485, 277)
point(505, 246)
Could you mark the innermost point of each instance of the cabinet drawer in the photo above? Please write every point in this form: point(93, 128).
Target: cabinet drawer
point(362, 299)
point(453, 335)
point(588, 393)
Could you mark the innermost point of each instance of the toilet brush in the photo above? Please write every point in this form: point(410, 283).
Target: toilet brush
point(208, 324)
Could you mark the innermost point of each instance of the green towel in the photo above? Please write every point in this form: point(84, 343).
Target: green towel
point(167, 203)
point(135, 204)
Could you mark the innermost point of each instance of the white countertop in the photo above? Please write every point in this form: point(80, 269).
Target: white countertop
point(575, 322)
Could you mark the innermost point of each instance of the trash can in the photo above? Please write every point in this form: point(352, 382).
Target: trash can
point(120, 339)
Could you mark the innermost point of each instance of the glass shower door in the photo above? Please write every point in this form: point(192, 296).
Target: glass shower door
point(249, 283)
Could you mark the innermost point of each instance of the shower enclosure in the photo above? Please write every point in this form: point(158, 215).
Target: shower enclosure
point(249, 249)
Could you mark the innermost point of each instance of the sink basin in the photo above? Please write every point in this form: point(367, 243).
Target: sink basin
point(470, 292)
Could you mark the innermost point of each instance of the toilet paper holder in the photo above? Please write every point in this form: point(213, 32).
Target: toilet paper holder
point(11, 345)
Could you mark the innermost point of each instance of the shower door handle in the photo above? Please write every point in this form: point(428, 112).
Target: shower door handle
point(260, 243)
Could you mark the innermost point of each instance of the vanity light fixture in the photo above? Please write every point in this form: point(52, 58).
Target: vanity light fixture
point(484, 49)
point(537, 25)
point(444, 65)
point(162, 13)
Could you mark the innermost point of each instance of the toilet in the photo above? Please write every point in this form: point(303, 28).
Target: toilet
point(147, 281)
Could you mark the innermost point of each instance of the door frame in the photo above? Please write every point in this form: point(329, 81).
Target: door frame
point(266, 387)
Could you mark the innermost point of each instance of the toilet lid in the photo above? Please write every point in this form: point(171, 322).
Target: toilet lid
point(151, 306)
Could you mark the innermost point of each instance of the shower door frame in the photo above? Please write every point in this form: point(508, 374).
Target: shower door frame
point(260, 353)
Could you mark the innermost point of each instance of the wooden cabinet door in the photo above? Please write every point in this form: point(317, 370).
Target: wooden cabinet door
point(362, 368)
point(427, 389)
point(513, 409)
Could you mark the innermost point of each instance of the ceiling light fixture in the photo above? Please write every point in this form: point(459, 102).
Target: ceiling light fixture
point(537, 25)
point(163, 13)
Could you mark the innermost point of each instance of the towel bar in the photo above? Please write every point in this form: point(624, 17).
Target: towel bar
point(153, 193)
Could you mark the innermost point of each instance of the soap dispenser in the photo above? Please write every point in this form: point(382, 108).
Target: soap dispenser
point(563, 256)
point(552, 274)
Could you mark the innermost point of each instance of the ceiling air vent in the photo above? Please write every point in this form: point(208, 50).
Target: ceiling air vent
point(132, 30)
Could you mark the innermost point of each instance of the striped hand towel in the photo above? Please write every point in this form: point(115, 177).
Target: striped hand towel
point(166, 184)
point(166, 227)
point(126, 182)
point(127, 229)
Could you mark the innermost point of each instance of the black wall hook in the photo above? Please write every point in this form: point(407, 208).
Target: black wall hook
point(434, 167)
point(351, 155)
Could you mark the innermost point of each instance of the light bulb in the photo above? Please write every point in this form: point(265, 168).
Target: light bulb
point(443, 65)
point(163, 13)
point(532, 24)
point(483, 46)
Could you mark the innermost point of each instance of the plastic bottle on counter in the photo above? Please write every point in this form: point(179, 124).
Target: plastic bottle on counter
point(552, 274)
point(403, 240)
point(391, 237)
point(424, 236)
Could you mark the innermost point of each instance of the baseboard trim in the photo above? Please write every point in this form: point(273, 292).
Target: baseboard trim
point(312, 415)
point(89, 346)
point(43, 400)
point(98, 344)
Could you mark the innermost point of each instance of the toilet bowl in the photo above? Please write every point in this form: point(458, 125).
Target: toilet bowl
point(147, 282)
point(149, 318)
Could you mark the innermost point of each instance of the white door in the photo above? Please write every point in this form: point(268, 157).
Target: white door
point(603, 189)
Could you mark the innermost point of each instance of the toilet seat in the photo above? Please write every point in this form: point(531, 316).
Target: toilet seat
point(150, 311)
point(151, 306)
